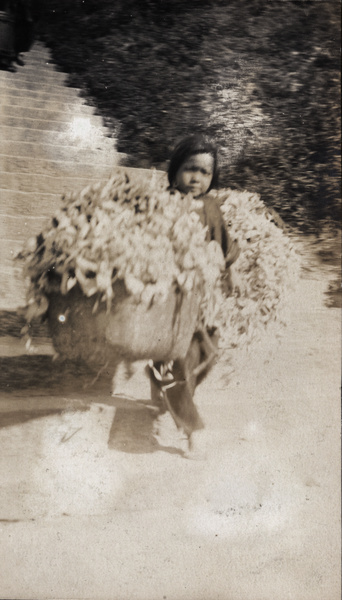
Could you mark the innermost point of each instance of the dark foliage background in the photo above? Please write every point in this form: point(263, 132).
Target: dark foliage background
point(263, 77)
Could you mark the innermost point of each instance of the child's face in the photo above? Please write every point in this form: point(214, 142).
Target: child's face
point(195, 174)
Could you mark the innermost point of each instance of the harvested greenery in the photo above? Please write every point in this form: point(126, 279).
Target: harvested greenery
point(130, 229)
point(135, 230)
point(266, 271)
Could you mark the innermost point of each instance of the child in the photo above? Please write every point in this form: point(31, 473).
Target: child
point(193, 169)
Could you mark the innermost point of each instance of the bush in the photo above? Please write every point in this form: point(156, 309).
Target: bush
point(263, 78)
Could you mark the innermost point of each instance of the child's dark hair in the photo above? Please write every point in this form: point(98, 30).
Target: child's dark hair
point(194, 144)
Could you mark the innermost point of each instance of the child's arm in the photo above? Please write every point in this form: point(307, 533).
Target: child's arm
point(233, 250)
point(217, 230)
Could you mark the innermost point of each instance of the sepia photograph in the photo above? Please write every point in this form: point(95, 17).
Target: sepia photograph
point(170, 299)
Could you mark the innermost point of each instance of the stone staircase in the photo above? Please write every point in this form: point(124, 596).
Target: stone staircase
point(52, 142)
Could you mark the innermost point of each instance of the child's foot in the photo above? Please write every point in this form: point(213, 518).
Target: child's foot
point(166, 433)
point(197, 446)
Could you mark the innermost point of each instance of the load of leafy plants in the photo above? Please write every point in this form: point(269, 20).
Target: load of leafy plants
point(134, 229)
point(127, 228)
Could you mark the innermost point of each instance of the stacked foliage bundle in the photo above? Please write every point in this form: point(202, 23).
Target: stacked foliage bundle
point(130, 229)
point(266, 271)
point(134, 230)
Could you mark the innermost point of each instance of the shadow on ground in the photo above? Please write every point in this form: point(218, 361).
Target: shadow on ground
point(11, 418)
point(41, 372)
point(40, 380)
point(132, 431)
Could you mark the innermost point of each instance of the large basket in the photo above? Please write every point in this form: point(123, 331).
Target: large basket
point(129, 330)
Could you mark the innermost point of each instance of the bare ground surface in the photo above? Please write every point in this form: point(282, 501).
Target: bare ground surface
point(96, 508)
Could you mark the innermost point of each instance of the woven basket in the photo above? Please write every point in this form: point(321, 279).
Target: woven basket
point(130, 330)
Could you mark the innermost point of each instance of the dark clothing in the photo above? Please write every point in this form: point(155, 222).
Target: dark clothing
point(211, 216)
point(177, 396)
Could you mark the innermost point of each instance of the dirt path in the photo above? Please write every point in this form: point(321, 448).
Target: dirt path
point(106, 513)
